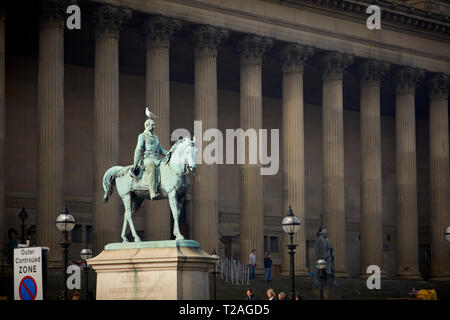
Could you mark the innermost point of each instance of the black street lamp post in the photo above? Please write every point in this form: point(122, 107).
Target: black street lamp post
point(291, 225)
point(23, 215)
point(447, 234)
point(215, 274)
point(86, 254)
point(65, 223)
point(321, 265)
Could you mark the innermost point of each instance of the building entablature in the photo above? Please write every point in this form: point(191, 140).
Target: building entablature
point(346, 33)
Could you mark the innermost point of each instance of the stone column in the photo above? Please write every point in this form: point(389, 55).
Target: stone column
point(405, 127)
point(108, 22)
point(333, 66)
point(371, 220)
point(158, 31)
point(205, 228)
point(2, 128)
point(251, 49)
point(294, 57)
point(51, 129)
point(439, 176)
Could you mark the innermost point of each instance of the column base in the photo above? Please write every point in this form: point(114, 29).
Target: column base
point(408, 276)
point(153, 270)
point(298, 272)
point(259, 271)
point(444, 277)
point(364, 275)
point(55, 263)
point(342, 274)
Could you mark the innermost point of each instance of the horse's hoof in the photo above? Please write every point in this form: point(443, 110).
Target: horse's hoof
point(137, 239)
point(125, 240)
point(180, 237)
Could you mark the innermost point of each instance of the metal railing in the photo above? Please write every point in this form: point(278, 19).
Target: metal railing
point(233, 271)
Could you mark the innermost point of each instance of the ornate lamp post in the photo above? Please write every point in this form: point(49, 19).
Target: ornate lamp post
point(291, 225)
point(214, 254)
point(447, 234)
point(321, 265)
point(65, 223)
point(86, 254)
point(23, 215)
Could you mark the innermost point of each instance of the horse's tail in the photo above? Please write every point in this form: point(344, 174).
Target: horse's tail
point(109, 181)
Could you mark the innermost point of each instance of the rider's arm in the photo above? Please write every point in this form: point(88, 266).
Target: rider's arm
point(139, 148)
point(162, 150)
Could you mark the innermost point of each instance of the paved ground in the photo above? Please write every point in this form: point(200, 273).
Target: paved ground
point(348, 289)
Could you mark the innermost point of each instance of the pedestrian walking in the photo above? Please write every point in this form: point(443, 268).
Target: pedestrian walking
point(252, 264)
point(268, 267)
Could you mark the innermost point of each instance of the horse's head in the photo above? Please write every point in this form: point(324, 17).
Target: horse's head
point(190, 152)
point(183, 152)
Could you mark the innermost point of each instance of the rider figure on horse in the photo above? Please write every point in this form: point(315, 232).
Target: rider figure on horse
point(150, 151)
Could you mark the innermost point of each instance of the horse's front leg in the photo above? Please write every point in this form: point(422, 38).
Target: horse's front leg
point(173, 201)
point(127, 216)
point(124, 229)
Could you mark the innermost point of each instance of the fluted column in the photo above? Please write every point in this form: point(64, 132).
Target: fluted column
point(158, 31)
point(205, 228)
point(294, 57)
point(251, 49)
point(108, 22)
point(439, 176)
point(2, 128)
point(333, 66)
point(405, 127)
point(371, 220)
point(51, 128)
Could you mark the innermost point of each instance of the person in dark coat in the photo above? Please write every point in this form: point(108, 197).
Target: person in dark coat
point(268, 267)
point(250, 295)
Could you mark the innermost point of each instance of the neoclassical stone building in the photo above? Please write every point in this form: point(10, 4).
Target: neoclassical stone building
point(362, 114)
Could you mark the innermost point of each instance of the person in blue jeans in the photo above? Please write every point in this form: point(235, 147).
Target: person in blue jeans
point(252, 264)
point(268, 267)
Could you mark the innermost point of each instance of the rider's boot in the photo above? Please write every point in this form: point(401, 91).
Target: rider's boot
point(152, 186)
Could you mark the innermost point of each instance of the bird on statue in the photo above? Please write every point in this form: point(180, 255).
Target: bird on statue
point(150, 114)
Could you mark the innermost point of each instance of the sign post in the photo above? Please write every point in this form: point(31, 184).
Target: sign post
point(29, 264)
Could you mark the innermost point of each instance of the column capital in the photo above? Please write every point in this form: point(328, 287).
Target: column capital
point(158, 30)
point(294, 57)
point(407, 79)
point(438, 86)
point(208, 39)
point(252, 49)
point(109, 20)
point(52, 13)
point(370, 72)
point(333, 64)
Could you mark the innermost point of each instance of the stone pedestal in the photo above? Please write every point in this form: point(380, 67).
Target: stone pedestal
point(153, 270)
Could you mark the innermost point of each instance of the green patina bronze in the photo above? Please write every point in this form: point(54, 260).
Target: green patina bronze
point(132, 182)
point(152, 244)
